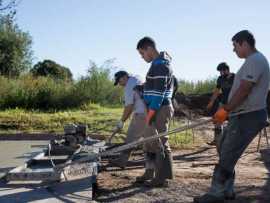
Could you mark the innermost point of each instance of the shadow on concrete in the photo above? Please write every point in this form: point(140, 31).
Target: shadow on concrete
point(68, 191)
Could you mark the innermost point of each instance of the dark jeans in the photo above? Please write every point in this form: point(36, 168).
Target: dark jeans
point(238, 134)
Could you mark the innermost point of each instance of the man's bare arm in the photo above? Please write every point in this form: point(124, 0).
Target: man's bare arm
point(240, 95)
point(126, 113)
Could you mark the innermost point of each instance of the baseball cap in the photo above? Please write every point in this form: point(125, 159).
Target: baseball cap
point(118, 75)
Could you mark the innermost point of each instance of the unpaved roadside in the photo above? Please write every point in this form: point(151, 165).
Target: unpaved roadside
point(193, 170)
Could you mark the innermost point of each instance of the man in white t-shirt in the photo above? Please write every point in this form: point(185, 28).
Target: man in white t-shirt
point(133, 105)
point(246, 109)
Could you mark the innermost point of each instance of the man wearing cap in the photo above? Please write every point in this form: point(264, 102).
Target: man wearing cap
point(220, 95)
point(133, 104)
point(246, 110)
point(157, 94)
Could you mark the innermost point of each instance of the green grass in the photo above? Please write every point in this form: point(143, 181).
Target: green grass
point(182, 139)
point(99, 120)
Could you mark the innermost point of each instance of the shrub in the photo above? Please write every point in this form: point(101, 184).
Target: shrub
point(46, 93)
point(199, 87)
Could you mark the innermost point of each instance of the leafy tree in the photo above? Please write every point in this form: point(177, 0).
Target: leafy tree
point(49, 68)
point(15, 48)
point(97, 86)
point(9, 6)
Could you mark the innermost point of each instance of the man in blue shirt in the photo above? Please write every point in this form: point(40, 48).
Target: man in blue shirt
point(157, 94)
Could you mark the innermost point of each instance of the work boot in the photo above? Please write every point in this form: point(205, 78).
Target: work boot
point(148, 175)
point(167, 166)
point(163, 170)
point(208, 198)
point(221, 187)
point(149, 168)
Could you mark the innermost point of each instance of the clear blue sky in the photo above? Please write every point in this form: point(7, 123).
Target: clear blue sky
point(196, 33)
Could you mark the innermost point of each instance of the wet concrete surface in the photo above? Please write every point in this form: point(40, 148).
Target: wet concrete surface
point(15, 153)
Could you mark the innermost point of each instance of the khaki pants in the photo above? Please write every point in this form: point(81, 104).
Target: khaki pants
point(135, 128)
point(159, 125)
point(134, 132)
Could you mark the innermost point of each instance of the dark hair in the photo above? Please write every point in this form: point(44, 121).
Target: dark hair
point(119, 75)
point(146, 42)
point(223, 66)
point(244, 35)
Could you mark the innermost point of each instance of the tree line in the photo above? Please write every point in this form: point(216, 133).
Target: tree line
point(48, 85)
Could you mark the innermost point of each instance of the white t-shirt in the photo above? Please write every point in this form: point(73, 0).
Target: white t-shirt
point(255, 69)
point(132, 97)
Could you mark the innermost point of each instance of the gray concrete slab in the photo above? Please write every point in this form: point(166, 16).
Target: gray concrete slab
point(70, 191)
point(15, 153)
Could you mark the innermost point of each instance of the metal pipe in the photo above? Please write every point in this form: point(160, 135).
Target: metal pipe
point(135, 143)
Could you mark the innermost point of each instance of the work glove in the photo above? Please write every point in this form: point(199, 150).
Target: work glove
point(149, 116)
point(119, 126)
point(220, 116)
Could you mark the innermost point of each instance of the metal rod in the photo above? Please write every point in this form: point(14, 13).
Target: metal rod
point(137, 142)
point(154, 137)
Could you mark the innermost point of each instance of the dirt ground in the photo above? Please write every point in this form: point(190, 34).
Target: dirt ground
point(193, 170)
